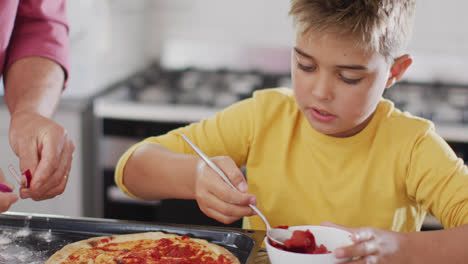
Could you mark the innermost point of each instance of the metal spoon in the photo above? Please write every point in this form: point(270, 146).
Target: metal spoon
point(277, 235)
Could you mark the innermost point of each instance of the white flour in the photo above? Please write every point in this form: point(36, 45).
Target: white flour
point(4, 240)
point(23, 232)
point(11, 251)
point(46, 236)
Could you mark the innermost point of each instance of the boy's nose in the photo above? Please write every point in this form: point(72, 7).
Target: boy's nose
point(323, 90)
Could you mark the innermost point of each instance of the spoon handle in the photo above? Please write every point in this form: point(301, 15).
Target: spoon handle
point(212, 165)
point(208, 161)
point(259, 213)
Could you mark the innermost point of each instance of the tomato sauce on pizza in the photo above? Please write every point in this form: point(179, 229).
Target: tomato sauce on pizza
point(143, 248)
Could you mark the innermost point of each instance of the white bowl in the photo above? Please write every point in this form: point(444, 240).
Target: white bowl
point(331, 237)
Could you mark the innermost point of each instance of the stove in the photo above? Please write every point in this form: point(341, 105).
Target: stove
point(190, 89)
point(444, 104)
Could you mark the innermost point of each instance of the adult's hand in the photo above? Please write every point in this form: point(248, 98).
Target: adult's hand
point(43, 147)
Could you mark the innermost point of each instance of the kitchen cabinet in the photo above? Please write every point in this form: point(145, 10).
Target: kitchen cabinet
point(72, 115)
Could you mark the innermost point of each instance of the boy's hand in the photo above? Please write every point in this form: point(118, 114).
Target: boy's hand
point(372, 246)
point(216, 198)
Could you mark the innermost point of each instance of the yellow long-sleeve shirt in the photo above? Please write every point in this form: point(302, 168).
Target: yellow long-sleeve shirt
point(387, 176)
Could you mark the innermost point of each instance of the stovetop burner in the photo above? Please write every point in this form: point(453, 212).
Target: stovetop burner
point(441, 103)
point(194, 86)
point(218, 89)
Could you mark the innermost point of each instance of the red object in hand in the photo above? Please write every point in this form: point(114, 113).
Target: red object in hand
point(4, 188)
point(28, 176)
point(302, 242)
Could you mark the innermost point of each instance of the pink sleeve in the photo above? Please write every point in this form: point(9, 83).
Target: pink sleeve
point(40, 29)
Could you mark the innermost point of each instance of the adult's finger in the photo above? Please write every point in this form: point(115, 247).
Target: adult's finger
point(28, 155)
point(53, 183)
point(50, 154)
point(59, 189)
point(64, 176)
point(23, 141)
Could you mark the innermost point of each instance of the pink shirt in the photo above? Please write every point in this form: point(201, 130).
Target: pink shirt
point(33, 28)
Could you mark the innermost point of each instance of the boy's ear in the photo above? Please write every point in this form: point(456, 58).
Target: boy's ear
point(399, 67)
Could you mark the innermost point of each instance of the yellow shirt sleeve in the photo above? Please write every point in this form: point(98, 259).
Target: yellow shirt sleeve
point(119, 169)
point(438, 180)
point(225, 134)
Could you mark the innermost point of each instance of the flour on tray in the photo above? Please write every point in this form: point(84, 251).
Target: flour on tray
point(12, 251)
point(23, 232)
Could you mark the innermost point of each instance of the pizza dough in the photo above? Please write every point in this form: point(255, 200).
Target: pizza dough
point(150, 248)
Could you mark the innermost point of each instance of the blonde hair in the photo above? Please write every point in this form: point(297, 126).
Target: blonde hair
point(384, 26)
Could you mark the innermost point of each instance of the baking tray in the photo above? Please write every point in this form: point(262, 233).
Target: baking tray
point(33, 238)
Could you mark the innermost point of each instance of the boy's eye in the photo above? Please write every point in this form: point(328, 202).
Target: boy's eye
point(350, 80)
point(306, 68)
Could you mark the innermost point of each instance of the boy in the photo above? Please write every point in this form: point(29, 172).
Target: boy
point(331, 150)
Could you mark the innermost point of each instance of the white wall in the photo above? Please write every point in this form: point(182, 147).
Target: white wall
point(107, 40)
point(439, 45)
point(260, 22)
point(440, 41)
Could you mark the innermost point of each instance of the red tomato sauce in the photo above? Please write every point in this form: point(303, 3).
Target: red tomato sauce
point(301, 242)
point(163, 251)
